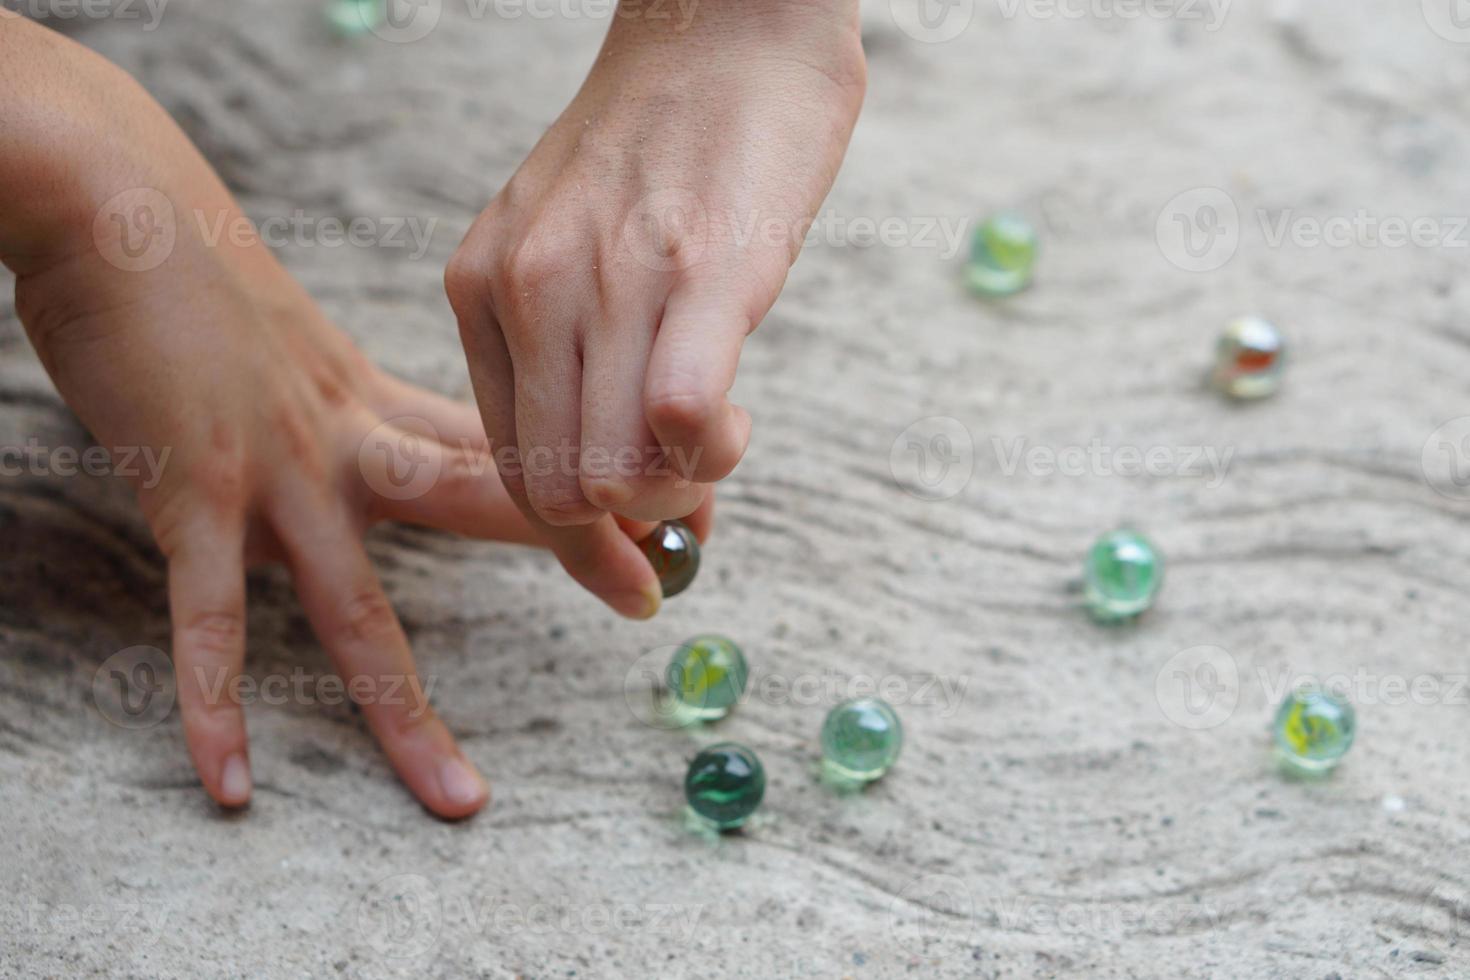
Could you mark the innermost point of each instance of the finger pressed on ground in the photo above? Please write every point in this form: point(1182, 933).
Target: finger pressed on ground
point(355, 622)
point(206, 591)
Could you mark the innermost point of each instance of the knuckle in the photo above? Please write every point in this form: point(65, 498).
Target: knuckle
point(220, 632)
point(530, 267)
point(368, 617)
point(222, 485)
point(464, 281)
point(679, 410)
point(406, 721)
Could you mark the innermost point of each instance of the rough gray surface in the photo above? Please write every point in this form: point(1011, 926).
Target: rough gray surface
point(1050, 817)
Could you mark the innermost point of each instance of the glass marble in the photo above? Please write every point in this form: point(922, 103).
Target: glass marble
point(1313, 730)
point(1248, 358)
point(673, 551)
point(725, 784)
point(1002, 255)
point(861, 739)
point(353, 17)
point(1123, 573)
point(707, 676)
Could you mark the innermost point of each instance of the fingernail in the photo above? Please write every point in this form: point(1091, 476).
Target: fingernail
point(462, 786)
point(653, 597)
point(642, 604)
point(234, 780)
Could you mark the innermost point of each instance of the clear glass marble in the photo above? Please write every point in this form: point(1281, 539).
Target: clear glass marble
point(1122, 574)
point(707, 676)
point(725, 784)
point(861, 739)
point(1002, 255)
point(1249, 358)
point(1313, 730)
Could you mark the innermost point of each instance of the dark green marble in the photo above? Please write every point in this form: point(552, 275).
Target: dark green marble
point(725, 784)
point(673, 551)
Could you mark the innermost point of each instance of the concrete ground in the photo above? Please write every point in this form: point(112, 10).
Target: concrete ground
point(1073, 800)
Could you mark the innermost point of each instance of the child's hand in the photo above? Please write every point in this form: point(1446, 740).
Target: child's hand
point(604, 295)
point(278, 433)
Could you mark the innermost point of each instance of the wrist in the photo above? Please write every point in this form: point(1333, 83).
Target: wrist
point(698, 43)
point(737, 24)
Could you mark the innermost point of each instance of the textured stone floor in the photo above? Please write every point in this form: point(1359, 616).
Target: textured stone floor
point(1066, 805)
